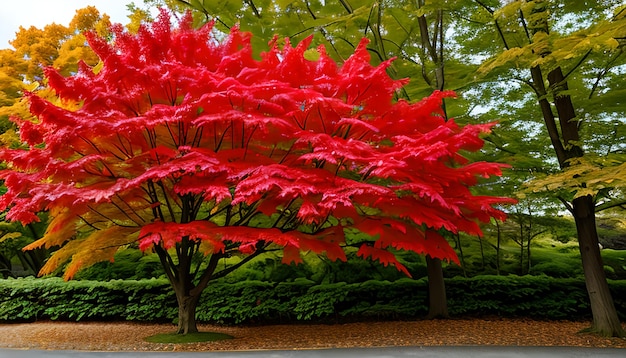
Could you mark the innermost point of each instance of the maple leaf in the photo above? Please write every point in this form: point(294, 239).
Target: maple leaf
point(383, 256)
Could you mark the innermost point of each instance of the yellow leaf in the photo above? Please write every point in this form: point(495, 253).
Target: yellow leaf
point(100, 246)
point(584, 192)
point(10, 235)
point(32, 86)
point(312, 54)
point(612, 43)
point(98, 67)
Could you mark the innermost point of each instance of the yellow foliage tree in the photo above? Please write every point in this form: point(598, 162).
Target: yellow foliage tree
point(55, 45)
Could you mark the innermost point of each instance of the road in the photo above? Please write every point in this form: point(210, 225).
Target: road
point(390, 352)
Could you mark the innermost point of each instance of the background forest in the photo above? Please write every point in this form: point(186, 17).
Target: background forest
point(491, 53)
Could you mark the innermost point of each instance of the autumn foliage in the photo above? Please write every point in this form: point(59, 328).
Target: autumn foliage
point(184, 142)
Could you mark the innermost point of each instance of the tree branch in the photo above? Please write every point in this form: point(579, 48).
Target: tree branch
point(245, 260)
point(604, 71)
point(610, 205)
point(347, 6)
point(567, 204)
point(577, 65)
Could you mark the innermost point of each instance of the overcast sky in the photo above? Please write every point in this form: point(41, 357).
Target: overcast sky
point(38, 13)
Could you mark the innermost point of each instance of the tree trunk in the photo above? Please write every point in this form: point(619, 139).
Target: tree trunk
point(187, 314)
point(521, 245)
point(605, 319)
point(482, 254)
point(437, 302)
point(528, 255)
point(187, 294)
point(498, 248)
point(457, 240)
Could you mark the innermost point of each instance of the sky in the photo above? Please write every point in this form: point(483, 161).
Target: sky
point(39, 13)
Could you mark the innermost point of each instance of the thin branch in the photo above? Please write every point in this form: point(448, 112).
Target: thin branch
point(167, 263)
point(568, 206)
point(167, 199)
point(604, 71)
point(523, 23)
point(347, 6)
point(254, 8)
point(577, 65)
point(490, 10)
point(245, 260)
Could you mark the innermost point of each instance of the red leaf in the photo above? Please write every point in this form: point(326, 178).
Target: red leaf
point(437, 247)
point(383, 256)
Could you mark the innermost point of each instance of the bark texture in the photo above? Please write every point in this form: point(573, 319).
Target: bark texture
point(187, 314)
point(437, 301)
point(605, 318)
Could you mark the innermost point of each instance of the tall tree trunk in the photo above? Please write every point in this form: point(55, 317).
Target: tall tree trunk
point(437, 302)
point(499, 236)
point(433, 49)
point(567, 146)
point(605, 319)
point(482, 254)
point(521, 257)
point(521, 244)
point(457, 240)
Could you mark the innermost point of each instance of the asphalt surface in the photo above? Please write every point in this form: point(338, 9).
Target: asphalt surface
point(391, 352)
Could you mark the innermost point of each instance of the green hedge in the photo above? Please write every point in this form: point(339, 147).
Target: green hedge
point(257, 302)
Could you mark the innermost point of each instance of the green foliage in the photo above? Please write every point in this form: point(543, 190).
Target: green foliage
point(614, 263)
point(13, 237)
point(27, 299)
point(527, 296)
point(618, 291)
point(234, 303)
point(554, 253)
point(256, 302)
point(320, 301)
point(128, 264)
point(564, 264)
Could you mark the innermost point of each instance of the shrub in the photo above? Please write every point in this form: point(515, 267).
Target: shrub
point(260, 302)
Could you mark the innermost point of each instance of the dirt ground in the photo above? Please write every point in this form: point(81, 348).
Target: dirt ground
point(126, 336)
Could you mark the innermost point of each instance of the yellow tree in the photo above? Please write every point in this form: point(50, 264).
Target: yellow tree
point(40, 47)
point(12, 69)
point(55, 45)
point(73, 49)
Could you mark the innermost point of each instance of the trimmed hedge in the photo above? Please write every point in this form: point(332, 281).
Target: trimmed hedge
point(259, 302)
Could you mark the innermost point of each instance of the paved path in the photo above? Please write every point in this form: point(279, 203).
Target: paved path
point(391, 352)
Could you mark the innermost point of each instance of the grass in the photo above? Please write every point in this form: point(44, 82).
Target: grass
point(188, 338)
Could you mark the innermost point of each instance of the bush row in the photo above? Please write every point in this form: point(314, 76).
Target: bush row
point(257, 302)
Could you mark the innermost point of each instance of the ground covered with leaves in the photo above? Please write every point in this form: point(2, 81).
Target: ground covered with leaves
point(125, 336)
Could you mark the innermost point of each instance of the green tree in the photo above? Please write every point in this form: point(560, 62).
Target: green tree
point(565, 55)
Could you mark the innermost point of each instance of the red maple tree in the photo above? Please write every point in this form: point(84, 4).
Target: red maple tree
point(189, 146)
